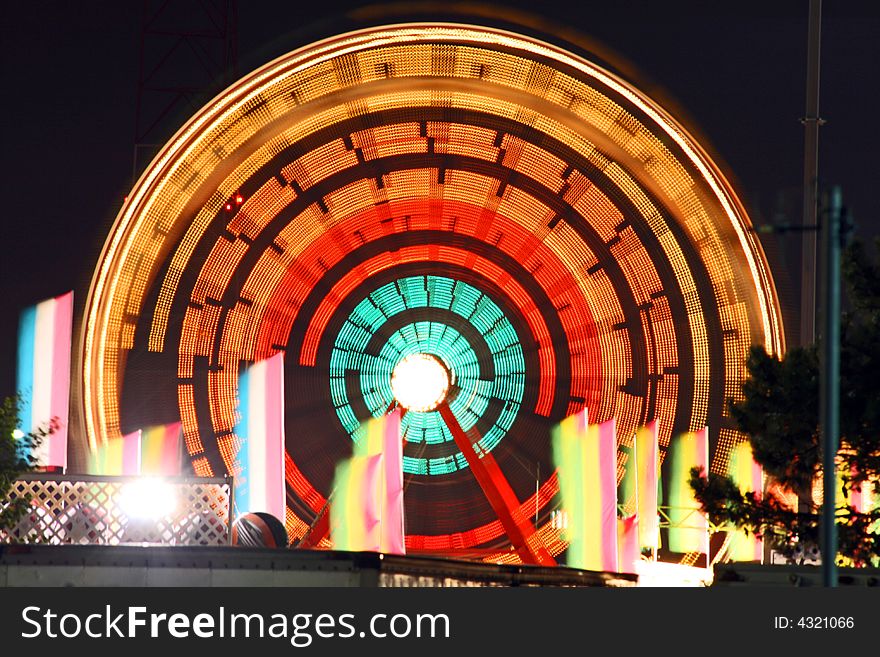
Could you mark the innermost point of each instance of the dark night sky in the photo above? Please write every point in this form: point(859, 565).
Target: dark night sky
point(69, 72)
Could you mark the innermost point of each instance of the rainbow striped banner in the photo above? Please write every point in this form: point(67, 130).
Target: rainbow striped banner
point(586, 461)
point(689, 528)
point(750, 479)
point(392, 529)
point(647, 463)
point(160, 450)
point(356, 511)
point(861, 498)
point(118, 456)
point(567, 439)
point(600, 481)
point(359, 500)
point(43, 375)
point(628, 544)
point(259, 483)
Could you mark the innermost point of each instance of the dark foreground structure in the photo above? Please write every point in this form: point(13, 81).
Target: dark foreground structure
point(98, 565)
point(756, 575)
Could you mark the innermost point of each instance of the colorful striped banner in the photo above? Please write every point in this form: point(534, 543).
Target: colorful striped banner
point(355, 514)
point(119, 456)
point(43, 376)
point(380, 437)
point(628, 544)
point(567, 438)
point(750, 479)
point(600, 482)
point(861, 498)
point(647, 464)
point(392, 533)
point(586, 460)
point(259, 483)
point(689, 528)
point(160, 450)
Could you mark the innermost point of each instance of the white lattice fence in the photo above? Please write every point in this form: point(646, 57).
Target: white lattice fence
point(80, 509)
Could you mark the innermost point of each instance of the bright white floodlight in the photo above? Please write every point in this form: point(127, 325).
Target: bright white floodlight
point(148, 498)
point(420, 382)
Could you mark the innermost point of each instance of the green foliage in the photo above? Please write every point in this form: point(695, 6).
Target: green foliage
point(794, 534)
point(860, 365)
point(15, 459)
point(780, 413)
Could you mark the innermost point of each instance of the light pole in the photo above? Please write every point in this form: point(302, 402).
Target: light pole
point(829, 384)
point(812, 122)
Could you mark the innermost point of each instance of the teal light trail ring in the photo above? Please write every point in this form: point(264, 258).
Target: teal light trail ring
point(486, 367)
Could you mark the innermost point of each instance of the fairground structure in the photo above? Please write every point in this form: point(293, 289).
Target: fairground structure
point(444, 203)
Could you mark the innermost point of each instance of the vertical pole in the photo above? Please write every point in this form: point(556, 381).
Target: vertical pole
point(139, 99)
point(537, 490)
point(230, 481)
point(829, 402)
point(811, 123)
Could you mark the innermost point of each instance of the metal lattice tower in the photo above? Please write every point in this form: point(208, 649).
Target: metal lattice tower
point(188, 52)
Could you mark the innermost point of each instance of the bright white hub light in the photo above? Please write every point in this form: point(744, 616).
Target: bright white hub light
point(420, 382)
point(148, 498)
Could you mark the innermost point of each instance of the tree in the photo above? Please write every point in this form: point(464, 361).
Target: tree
point(779, 413)
point(16, 458)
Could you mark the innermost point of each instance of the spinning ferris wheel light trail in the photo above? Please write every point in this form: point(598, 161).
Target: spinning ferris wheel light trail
point(488, 230)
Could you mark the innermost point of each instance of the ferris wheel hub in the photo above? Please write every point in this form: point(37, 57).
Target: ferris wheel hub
point(420, 382)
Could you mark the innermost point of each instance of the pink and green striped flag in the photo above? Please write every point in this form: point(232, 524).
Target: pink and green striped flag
point(355, 513)
point(628, 544)
point(586, 461)
point(118, 456)
point(392, 539)
point(750, 479)
point(367, 511)
point(567, 439)
point(260, 483)
point(600, 479)
point(647, 464)
point(160, 450)
point(861, 497)
point(43, 375)
point(689, 528)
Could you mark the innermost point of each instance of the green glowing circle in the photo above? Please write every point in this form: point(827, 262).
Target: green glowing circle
point(486, 388)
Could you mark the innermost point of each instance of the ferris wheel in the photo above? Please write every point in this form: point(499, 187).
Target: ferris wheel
point(483, 228)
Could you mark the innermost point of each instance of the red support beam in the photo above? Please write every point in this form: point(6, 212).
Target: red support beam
point(494, 485)
point(500, 495)
point(318, 530)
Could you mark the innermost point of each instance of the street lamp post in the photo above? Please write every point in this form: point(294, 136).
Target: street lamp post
point(829, 385)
